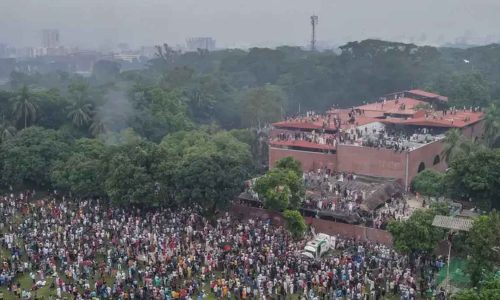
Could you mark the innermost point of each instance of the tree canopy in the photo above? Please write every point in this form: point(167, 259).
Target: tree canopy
point(282, 187)
point(295, 223)
point(429, 183)
point(28, 157)
point(476, 177)
point(417, 235)
point(483, 247)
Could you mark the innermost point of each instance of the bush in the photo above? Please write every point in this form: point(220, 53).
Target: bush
point(295, 223)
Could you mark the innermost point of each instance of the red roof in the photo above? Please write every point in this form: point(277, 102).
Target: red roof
point(428, 94)
point(393, 106)
point(302, 144)
point(437, 119)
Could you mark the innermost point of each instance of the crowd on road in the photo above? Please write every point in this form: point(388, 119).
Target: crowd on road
point(89, 250)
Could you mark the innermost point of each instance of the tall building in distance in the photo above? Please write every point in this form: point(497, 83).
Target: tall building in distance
point(3, 50)
point(50, 38)
point(204, 43)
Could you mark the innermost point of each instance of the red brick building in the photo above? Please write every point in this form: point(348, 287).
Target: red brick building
point(398, 136)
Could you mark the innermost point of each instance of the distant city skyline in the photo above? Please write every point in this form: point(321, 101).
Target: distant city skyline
point(234, 23)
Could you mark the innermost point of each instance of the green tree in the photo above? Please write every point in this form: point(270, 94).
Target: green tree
point(210, 180)
point(82, 172)
point(452, 143)
point(6, 131)
point(261, 106)
point(206, 167)
point(130, 176)
point(158, 112)
point(51, 111)
point(429, 183)
point(289, 163)
point(206, 94)
point(417, 233)
point(295, 223)
point(28, 157)
point(258, 145)
point(476, 177)
point(80, 114)
point(80, 110)
point(491, 125)
point(489, 289)
point(483, 247)
point(278, 198)
point(279, 185)
point(97, 127)
point(469, 89)
point(24, 106)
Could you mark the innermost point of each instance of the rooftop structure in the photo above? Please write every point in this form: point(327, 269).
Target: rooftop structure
point(462, 224)
point(410, 125)
point(417, 94)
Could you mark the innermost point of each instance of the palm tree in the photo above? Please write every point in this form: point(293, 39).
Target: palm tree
point(456, 144)
point(80, 113)
point(491, 125)
point(6, 131)
point(452, 143)
point(24, 106)
point(97, 127)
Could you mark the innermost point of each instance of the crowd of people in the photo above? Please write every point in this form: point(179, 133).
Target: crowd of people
point(342, 193)
point(328, 192)
point(387, 138)
point(397, 209)
point(89, 250)
point(311, 137)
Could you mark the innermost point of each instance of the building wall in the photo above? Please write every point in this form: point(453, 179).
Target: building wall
point(474, 130)
point(310, 160)
point(321, 226)
point(371, 161)
point(426, 154)
point(357, 232)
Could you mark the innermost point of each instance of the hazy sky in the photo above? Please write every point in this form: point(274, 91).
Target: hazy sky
point(94, 23)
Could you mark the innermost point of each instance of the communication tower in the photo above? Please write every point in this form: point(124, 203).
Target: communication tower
point(314, 22)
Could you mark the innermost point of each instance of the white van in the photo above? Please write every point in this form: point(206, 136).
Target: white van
point(316, 248)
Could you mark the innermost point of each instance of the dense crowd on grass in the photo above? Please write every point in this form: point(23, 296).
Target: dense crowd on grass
point(91, 250)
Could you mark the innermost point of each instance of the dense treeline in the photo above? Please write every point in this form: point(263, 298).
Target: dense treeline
point(158, 135)
point(231, 87)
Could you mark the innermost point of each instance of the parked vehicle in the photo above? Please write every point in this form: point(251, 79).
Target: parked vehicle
point(321, 244)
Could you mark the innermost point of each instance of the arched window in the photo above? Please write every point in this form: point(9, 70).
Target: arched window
point(421, 167)
point(437, 160)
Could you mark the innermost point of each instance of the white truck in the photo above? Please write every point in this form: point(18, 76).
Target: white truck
point(316, 248)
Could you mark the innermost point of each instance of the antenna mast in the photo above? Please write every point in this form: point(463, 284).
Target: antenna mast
point(314, 22)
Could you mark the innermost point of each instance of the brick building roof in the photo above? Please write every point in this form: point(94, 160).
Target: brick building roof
point(393, 106)
point(401, 111)
point(438, 119)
